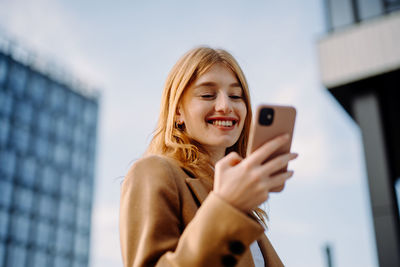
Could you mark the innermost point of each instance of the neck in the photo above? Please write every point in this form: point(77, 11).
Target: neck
point(216, 154)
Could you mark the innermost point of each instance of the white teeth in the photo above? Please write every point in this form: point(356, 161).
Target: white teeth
point(223, 123)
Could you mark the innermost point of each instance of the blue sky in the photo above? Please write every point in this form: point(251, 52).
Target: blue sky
point(126, 48)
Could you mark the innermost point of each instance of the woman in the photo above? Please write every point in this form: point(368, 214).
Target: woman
point(193, 199)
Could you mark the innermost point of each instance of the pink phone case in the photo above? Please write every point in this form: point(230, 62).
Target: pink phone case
point(282, 121)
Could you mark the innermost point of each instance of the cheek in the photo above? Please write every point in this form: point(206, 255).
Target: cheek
point(241, 110)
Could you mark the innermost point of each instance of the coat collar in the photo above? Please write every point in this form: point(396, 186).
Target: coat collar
point(199, 187)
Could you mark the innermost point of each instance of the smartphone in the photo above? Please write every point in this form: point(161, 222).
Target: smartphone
point(269, 122)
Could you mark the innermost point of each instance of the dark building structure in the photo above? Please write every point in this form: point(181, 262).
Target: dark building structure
point(360, 65)
point(47, 157)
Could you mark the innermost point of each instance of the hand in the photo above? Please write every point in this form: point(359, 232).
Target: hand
point(246, 183)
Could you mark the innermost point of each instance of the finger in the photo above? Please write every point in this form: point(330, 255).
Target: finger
point(263, 152)
point(229, 160)
point(278, 180)
point(277, 163)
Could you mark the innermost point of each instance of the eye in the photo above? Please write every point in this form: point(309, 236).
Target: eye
point(207, 96)
point(236, 96)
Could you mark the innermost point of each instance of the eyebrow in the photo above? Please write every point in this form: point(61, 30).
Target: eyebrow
point(212, 84)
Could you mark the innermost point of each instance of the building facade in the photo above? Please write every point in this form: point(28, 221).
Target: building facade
point(360, 66)
point(47, 158)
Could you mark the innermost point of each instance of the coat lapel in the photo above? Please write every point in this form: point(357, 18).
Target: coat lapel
point(200, 188)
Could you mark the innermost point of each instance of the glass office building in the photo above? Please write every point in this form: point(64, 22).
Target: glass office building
point(360, 66)
point(47, 157)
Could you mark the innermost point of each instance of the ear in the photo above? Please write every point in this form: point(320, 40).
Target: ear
point(178, 113)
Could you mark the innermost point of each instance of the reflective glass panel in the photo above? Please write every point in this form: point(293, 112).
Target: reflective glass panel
point(341, 13)
point(74, 105)
point(6, 102)
point(64, 240)
point(37, 88)
point(3, 70)
point(39, 259)
point(4, 130)
point(47, 206)
point(49, 180)
point(27, 171)
point(7, 167)
point(3, 224)
point(23, 199)
point(44, 123)
point(5, 193)
point(17, 79)
point(23, 112)
point(20, 227)
point(41, 148)
point(66, 212)
point(57, 97)
point(61, 262)
point(43, 233)
point(68, 186)
point(369, 8)
point(17, 255)
point(20, 138)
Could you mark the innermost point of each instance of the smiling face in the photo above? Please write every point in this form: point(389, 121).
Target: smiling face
point(213, 109)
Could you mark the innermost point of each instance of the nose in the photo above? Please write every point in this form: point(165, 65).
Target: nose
point(223, 104)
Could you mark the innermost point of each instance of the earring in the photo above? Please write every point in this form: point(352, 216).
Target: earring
point(179, 124)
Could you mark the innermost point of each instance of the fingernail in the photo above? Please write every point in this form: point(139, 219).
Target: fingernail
point(286, 136)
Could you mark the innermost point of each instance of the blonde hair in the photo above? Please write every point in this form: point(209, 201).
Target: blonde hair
point(172, 141)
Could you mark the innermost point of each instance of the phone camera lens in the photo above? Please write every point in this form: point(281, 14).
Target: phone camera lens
point(266, 116)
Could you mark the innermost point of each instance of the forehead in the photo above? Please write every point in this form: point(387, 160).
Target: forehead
point(218, 73)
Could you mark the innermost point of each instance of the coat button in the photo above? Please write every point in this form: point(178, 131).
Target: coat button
point(228, 261)
point(236, 247)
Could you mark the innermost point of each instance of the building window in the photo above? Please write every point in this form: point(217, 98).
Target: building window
point(44, 123)
point(83, 217)
point(66, 212)
point(4, 130)
point(369, 8)
point(3, 71)
point(20, 227)
point(61, 262)
point(47, 207)
point(90, 114)
point(41, 148)
point(342, 13)
point(2, 252)
point(17, 79)
point(49, 181)
point(5, 193)
point(40, 259)
point(24, 199)
point(81, 245)
point(23, 112)
point(57, 98)
point(64, 240)
point(74, 106)
point(85, 192)
point(7, 166)
point(6, 102)
point(61, 154)
point(17, 255)
point(37, 88)
point(43, 233)
point(3, 224)
point(20, 138)
point(68, 186)
point(27, 171)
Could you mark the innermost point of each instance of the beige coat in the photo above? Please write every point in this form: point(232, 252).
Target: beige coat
point(163, 224)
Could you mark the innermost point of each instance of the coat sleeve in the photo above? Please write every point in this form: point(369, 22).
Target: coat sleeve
point(151, 231)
